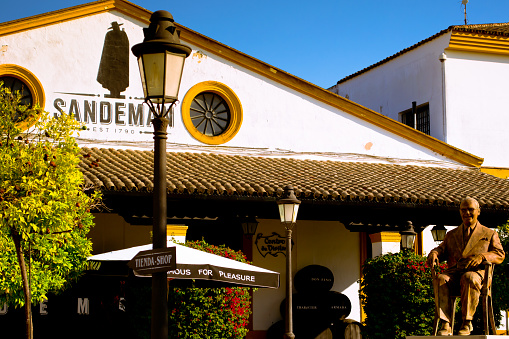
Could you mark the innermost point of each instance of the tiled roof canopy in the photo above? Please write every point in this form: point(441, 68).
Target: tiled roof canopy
point(213, 175)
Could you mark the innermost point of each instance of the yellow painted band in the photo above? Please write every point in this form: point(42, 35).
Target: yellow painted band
point(479, 43)
point(497, 172)
point(176, 230)
point(385, 237)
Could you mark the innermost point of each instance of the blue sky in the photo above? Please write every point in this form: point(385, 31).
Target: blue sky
point(320, 41)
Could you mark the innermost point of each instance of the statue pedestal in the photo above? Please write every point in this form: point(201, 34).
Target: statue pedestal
point(476, 336)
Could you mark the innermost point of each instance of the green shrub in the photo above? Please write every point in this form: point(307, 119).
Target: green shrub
point(397, 295)
point(501, 273)
point(198, 313)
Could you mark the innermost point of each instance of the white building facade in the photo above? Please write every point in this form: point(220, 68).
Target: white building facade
point(278, 125)
point(458, 77)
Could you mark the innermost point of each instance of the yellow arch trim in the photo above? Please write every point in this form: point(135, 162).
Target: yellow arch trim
point(233, 103)
point(33, 84)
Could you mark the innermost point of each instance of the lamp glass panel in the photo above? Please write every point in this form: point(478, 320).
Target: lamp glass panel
point(407, 241)
point(441, 235)
point(142, 74)
point(294, 213)
point(438, 233)
point(251, 227)
point(282, 211)
point(174, 68)
point(434, 233)
point(288, 213)
point(153, 65)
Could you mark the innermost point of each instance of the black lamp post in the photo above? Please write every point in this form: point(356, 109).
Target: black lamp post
point(288, 208)
point(438, 232)
point(161, 60)
point(408, 236)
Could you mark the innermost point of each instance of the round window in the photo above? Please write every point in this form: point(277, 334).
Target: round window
point(17, 78)
point(211, 112)
point(16, 85)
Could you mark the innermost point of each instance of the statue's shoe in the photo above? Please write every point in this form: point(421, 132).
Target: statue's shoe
point(466, 328)
point(446, 330)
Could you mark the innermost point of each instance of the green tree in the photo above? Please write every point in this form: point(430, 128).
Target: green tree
point(44, 211)
point(500, 289)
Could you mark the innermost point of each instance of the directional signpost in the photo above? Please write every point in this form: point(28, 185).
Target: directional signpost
point(153, 261)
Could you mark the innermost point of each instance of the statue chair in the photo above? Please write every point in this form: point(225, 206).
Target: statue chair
point(486, 301)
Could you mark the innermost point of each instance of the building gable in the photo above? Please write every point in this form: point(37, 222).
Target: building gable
point(387, 132)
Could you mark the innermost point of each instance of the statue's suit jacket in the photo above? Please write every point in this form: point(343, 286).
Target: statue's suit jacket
point(483, 241)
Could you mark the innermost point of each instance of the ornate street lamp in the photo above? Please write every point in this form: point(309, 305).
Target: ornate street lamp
point(161, 60)
point(438, 232)
point(288, 208)
point(249, 226)
point(408, 236)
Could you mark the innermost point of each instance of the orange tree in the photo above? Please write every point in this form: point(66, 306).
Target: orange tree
point(196, 312)
point(44, 211)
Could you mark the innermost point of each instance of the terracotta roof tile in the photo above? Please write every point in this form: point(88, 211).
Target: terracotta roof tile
point(226, 175)
point(497, 29)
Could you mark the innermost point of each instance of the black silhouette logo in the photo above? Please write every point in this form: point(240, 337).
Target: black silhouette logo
point(114, 67)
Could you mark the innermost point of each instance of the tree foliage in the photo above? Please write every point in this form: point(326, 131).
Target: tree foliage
point(44, 210)
point(501, 273)
point(209, 312)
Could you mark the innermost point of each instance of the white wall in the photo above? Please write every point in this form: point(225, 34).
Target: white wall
point(478, 105)
point(113, 233)
point(391, 87)
point(327, 244)
point(476, 102)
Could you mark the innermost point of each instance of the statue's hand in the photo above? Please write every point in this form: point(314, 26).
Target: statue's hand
point(432, 259)
point(474, 260)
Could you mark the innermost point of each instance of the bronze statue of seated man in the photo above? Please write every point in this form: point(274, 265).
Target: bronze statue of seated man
point(464, 248)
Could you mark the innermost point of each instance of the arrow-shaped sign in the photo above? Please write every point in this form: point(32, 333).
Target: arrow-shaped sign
point(153, 261)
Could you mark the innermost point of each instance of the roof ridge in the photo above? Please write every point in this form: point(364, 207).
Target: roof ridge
point(495, 24)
